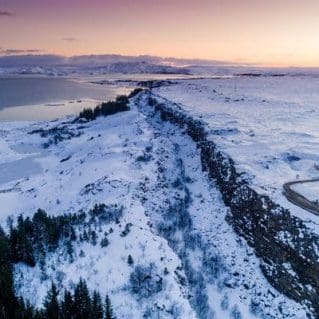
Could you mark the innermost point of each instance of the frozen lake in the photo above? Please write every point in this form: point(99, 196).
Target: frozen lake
point(40, 98)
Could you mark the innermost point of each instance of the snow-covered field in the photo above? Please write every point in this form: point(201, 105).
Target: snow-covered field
point(308, 190)
point(174, 214)
point(267, 124)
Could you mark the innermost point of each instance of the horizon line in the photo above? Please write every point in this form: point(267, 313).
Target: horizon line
point(228, 63)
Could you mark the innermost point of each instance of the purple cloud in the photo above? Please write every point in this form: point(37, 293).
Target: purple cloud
point(18, 51)
point(6, 13)
point(69, 39)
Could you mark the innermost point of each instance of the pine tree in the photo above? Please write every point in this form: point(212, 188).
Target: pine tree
point(104, 242)
point(69, 250)
point(29, 311)
point(41, 260)
point(108, 309)
point(21, 248)
point(39, 314)
point(130, 260)
point(97, 308)
point(51, 303)
point(82, 301)
point(93, 238)
point(73, 234)
point(85, 236)
point(8, 301)
point(67, 305)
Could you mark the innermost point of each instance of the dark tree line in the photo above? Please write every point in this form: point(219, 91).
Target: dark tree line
point(27, 242)
point(109, 108)
point(31, 238)
point(106, 108)
point(79, 304)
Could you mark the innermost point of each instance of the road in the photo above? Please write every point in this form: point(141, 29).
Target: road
point(298, 199)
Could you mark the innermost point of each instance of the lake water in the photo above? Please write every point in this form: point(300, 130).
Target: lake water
point(39, 98)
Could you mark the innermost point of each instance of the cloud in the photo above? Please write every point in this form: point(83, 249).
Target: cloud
point(18, 51)
point(69, 39)
point(6, 14)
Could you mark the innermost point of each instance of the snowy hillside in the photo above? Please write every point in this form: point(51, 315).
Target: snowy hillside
point(139, 182)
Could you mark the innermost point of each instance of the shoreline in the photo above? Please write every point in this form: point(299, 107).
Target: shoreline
point(45, 111)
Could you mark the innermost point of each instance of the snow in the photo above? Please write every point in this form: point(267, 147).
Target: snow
point(268, 125)
point(153, 170)
point(7, 154)
point(237, 261)
point(308, 190)
point(104, 155)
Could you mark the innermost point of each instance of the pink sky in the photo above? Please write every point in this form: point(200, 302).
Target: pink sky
point(273, 32)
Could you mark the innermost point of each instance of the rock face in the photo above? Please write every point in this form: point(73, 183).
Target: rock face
point(287, 249)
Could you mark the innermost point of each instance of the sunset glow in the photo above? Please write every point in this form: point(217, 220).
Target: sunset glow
point(274, 32)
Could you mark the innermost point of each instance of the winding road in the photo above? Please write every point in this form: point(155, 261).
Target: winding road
point(298, 199)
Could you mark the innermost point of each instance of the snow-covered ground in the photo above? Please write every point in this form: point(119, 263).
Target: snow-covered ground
point(102, 169)
point(177, 217)
point(308, 190)
point(267, 124)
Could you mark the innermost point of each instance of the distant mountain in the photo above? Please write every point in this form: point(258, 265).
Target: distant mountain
point(139, 67)
point(57, 65)
point(99, 60)
point(96, 64)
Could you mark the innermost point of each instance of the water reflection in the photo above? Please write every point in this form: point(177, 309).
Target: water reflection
point(50, 98)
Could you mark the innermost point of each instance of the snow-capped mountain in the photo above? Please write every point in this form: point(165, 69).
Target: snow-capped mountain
point(104, 64)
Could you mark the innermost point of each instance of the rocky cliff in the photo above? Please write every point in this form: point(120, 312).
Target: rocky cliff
point(287, 249)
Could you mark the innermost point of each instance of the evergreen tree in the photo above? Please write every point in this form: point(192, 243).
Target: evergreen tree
point(29, 311)
point(67, 306)
point(41, 260)
point(108, 308)
point(93, 238)
point(85, 236)
point(82, 301)
point(51, 303)
point(8, 301)
point(69, 250)
point(130, 260)
point(21, 247)
point(97, 307)
point(73, 234)
point(104, 242)
point(39, 314)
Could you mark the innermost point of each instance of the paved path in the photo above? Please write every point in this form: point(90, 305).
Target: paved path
point(298, 199)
